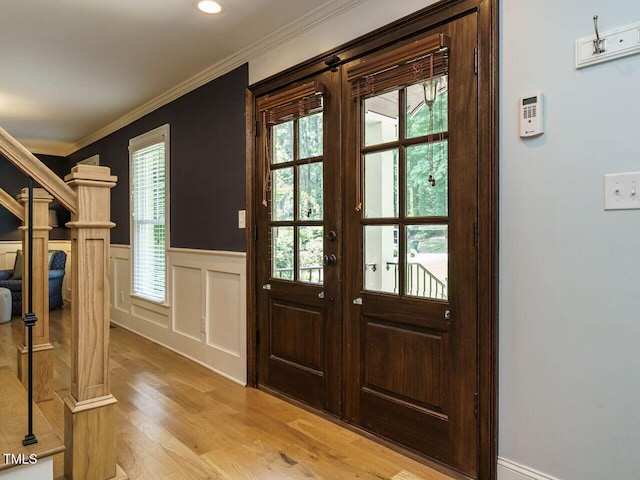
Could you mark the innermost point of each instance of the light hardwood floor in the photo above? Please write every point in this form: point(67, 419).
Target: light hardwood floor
point(178, 420)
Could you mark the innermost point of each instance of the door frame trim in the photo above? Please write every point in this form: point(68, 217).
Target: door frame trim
point(250, 232)
point(487, 279)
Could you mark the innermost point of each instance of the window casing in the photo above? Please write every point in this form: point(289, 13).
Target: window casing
point(149, 190)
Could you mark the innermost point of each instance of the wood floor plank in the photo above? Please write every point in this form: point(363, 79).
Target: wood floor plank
point(179, 421)
point(189, 398)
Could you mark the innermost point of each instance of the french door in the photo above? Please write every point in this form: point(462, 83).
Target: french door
point(367, 261)
point(299, 231)
point(411, 372)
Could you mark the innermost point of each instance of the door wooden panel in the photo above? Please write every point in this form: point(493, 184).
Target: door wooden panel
point(425, 433)
point(393, 355)
point(296, 363)
point(404, 394)
point(297, 335)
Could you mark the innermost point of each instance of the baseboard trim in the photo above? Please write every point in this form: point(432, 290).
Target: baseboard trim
point(510, 470)
point(179, 352)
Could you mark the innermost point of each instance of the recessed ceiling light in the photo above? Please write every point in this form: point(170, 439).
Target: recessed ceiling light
point(208, 6)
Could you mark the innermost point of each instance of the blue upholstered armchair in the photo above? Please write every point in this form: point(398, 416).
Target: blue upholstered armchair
point(8, 279)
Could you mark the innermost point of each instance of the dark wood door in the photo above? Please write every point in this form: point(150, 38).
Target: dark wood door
point(367, 242)
point(299, 240)
point(411, 369)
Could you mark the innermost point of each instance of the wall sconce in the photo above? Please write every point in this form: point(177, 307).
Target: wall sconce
point(53, 218)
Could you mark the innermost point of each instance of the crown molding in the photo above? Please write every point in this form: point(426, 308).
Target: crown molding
point(312, 19)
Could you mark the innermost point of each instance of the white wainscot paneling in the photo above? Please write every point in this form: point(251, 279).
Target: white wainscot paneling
point(8, 251)
point(120, 282)
point(217, 303)
point(224, 307)
point(7, 260)
point(150, 312)
point(135, 313)
point(120, 288)
point(205, 319)
point(187, 317)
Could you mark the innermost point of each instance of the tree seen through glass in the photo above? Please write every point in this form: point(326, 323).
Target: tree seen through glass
point(423, 149)
point(299, 143)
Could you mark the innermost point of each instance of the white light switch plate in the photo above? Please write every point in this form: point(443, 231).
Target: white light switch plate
point(622, 191)
point(242, 219)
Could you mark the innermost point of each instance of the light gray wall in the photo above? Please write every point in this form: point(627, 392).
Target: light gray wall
point(362, 18)
point(569, 272)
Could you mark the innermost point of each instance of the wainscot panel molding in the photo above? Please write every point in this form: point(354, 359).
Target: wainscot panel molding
point(205, 315)
point(8, 251)
point(508, 470)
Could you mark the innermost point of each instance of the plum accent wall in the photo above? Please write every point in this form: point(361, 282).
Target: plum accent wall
point(207, 165)
point(13, 181)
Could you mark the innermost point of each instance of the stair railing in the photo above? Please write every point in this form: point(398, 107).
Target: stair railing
point(30, 318)
point(11, 204)
point(90, 416)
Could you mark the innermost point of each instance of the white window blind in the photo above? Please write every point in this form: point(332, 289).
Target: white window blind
point(149, 169)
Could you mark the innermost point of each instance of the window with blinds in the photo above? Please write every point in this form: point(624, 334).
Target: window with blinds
point(149, 169)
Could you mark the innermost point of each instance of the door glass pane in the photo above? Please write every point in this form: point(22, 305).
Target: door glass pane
point(427, 107)
point(282, 139)
point(381, 184)
point(282, 252)
point(310, 248)
point(282, 194)
point(310, 136)
point(381, 119)
point(428, 180)
point(427, 266)
point(310, 191)
point(381, 258)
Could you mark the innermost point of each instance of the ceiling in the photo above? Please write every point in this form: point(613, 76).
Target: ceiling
point(75, 70)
